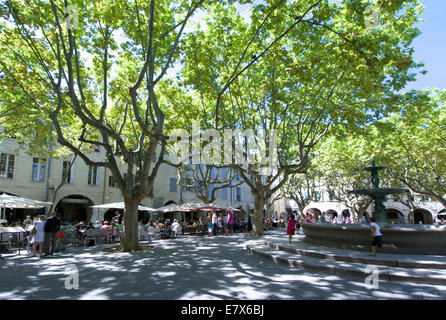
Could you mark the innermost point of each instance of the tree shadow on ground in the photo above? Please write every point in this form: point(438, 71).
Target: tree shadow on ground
point(185, 268)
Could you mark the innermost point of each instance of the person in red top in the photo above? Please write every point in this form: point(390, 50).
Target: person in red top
point(291, 229)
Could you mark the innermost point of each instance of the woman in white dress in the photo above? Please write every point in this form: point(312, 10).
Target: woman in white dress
point(39, 237)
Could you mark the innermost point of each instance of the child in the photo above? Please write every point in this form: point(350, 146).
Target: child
point(377, 238)
point(291, 229)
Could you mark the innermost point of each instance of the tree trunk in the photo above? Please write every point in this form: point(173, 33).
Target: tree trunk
point(259, 204)
point(129, 238)
point(355, 214)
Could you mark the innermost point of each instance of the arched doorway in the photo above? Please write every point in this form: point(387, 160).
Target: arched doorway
point(422, 216)
point(346, 213)
point(392, 215)
point(313, 212)
point(74, 208)
point(111, 213)
point(441, 214)
point(331, 214)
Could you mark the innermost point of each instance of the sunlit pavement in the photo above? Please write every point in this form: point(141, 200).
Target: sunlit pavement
point(186, 268)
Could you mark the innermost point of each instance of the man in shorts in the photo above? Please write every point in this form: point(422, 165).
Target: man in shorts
point(377, 237)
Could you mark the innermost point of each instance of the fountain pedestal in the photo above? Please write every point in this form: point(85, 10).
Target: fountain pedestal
point(378, 194)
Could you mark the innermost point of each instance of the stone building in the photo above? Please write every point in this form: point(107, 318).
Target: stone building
point(37, 178)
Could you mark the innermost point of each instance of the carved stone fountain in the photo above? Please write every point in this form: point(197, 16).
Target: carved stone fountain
point(410, 239)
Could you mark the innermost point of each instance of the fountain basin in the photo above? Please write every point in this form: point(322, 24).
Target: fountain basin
point(410, 239)
point(379, 192)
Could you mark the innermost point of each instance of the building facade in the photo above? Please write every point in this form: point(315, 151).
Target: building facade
point(37, 178)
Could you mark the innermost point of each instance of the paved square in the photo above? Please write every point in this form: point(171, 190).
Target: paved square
point(185, 268)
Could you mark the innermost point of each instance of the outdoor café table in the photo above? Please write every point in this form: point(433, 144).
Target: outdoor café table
point(8, 230)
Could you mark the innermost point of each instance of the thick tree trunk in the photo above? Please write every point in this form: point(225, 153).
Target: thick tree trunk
point(259, 204)
point(129, 239)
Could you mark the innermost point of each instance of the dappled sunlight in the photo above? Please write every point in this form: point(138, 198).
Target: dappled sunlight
point(186, 268)
point(97, 294)
point(163, 274)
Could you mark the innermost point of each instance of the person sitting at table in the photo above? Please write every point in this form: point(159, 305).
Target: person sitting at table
point(81, 229)
point(176, 227)
point(97, 225)
point(151, 230)
point(106, 226)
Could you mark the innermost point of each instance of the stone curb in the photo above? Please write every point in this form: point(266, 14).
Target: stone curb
point(384, 275)
point(334, 257)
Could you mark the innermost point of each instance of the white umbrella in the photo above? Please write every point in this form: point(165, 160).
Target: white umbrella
point(120, 205)
point(100, 209)
point(14, 202)
point(173, 208)
point(217, 205)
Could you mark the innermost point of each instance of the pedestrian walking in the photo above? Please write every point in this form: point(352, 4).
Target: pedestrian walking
point(52, 226)
point(38, 235)
point(291, 229)
point(214, 223)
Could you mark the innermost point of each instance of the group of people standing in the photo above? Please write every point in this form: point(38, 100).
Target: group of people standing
point(42, 233)
point(215, 222)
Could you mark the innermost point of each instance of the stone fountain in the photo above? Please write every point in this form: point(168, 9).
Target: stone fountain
point(378, 194)
point(410, 239)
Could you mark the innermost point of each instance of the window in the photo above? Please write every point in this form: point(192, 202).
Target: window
point(111, 181)
point(188, 182)
point(7, 165)
point(331, 195)
point(65, 168)
point(39, 168)
point(238, 194)
point(224, 194)
point(92, 175)
point(173, 185)
point(237, 176)
point(316, 196)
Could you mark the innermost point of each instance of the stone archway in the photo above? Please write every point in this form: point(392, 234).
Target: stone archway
point(346, 213)
point(392, 215)
point(422, 215)
point(313, 212)
point(332, 213)
point(441, 214)
point(74, 208)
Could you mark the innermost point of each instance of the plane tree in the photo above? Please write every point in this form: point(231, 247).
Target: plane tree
point(330, 70)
